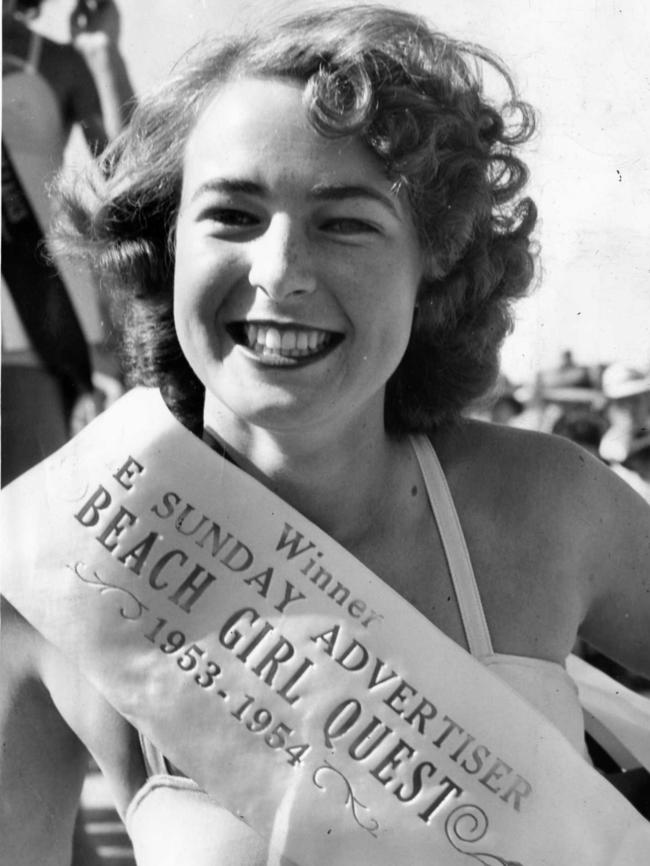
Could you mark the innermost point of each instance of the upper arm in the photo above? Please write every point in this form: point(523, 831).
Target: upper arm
point(577, 539)
point(42, 762)
point(601, 528)
point(616, 570)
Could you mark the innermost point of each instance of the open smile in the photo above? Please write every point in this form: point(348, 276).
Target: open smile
point(284, 344)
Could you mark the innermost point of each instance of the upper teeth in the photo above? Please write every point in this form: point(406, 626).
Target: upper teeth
point(263, 337)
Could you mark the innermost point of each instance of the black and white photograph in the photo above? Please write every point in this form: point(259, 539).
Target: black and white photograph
point(325, 433)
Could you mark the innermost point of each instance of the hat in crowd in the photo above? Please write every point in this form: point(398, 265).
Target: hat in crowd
point(619, 382)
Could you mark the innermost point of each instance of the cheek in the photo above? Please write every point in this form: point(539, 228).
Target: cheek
point(397, 324)
point(183, 300)
point(184, 276)
point(197, 281)
point(193, 312)
point(392, 310)
point(386, 336)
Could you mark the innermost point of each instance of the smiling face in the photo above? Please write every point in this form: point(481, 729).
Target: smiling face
point(297, 266)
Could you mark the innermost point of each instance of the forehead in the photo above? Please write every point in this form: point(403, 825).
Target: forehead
point(260, 125)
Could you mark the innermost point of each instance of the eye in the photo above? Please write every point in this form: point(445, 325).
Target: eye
point(229, 218)
point(348, 226)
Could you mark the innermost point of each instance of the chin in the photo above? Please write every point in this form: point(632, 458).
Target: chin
point(278, 411)
point(280, 417)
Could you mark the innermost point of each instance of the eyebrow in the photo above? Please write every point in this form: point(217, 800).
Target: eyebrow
point(340, 192)
point(319, 192)
point(228, 185)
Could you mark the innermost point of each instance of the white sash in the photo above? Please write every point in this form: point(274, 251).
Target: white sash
point(283, 676)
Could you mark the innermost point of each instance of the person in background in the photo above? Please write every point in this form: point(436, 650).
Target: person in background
point(627, 392)
point(570, 373)
point(54, 329)
point(626, 441)
point(583, 425)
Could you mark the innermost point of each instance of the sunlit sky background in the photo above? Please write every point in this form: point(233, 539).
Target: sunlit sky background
point(585, 66)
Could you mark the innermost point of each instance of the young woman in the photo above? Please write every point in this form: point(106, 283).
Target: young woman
point(316, 233)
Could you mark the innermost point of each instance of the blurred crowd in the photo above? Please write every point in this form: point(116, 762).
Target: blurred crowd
point(604, 408)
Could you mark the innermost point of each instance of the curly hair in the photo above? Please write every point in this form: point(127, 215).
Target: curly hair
point(416, 98)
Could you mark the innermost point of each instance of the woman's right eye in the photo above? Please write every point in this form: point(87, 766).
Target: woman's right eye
point(231, 217)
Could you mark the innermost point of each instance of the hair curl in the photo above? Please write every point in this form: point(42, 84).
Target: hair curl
point(415, 97)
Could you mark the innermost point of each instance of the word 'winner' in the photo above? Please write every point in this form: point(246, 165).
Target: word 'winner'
point(175, 571)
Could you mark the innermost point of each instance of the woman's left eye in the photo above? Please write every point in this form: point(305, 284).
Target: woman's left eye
point(348, 226)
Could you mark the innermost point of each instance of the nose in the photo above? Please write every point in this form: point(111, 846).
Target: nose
point(281, 263)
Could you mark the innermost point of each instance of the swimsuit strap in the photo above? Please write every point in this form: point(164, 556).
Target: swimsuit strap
point(456, 553)
point(155, 762)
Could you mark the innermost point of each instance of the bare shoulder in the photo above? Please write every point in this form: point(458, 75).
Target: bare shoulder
point(561, 519)
point(552, 476)
point(480, 441)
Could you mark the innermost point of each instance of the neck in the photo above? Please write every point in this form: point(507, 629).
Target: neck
point(339, 480)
